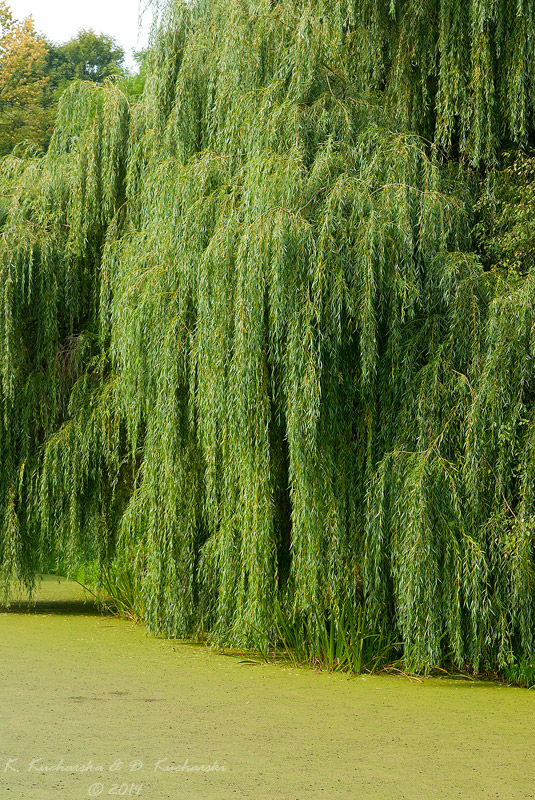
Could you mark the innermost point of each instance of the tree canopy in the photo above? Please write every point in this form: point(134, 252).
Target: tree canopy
point(88, 56)
point(267, 335)
point(22, 82)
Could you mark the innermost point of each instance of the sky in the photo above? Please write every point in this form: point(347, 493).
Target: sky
point(60, 20)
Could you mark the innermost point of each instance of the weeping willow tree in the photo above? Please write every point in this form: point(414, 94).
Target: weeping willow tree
point(253, 355)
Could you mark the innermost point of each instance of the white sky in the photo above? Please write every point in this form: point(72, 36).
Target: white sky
point(60, 20)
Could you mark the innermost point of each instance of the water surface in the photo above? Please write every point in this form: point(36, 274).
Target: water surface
point(93, 706)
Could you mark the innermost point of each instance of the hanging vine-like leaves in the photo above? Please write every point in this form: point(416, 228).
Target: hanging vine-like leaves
point(247, 351)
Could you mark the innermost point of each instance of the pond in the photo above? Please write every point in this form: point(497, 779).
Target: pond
point(92, 706)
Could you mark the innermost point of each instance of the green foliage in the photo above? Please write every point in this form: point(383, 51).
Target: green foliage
point(521, 674)
point(48, 313)
point(505, 228)
point(88, 56)
point(348, 642)
point(119, 583)
point(251, 359)
point(133, 84)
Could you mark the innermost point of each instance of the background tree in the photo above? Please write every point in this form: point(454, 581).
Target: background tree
point(34, 73)
point(23, 83)
point(88, 56)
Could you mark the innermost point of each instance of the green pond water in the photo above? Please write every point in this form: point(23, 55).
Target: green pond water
point(91, 706)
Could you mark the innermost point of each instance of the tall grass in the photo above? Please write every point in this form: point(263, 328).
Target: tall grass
point(352, 640)
point(121, 591)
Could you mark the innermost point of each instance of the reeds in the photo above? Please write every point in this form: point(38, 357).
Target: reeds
point(119, 591)
point(348, 641)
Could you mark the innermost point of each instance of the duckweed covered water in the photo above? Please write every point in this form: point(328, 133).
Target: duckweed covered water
point(93, 707)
